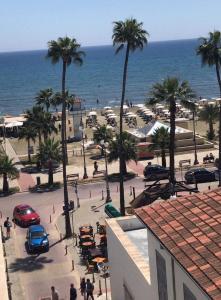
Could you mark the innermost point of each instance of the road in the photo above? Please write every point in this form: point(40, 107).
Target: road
point(37, 273)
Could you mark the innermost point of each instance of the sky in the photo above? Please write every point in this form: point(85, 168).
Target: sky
point(30, 24)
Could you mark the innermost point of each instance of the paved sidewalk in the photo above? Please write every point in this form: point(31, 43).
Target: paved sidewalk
point(80, 216)
point(25, 180)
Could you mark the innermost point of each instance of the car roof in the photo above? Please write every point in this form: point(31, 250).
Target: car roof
point(198, 169)
point(23, 206)
point(34, 228)
point(154, 166)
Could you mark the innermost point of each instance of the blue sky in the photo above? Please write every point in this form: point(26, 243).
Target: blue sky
point(29, 24)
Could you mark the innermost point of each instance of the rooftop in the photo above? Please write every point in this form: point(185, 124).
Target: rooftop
point(151, 127)
point(190, 229)
point(139, 238)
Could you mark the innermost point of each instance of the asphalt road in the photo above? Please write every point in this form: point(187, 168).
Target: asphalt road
point(37, 273)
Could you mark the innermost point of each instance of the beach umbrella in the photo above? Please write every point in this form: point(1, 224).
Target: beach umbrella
point(92, 113)
point(107, 107)
point(109, 111)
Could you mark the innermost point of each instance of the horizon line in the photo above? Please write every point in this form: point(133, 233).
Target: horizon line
point(93, 46)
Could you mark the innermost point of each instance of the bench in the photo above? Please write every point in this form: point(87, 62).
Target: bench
point(208, 160)
point(72, 177)
point(111, 211)
point(98, 173)
point(186, 162)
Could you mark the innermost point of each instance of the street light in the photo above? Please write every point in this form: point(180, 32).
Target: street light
point(105, 146)
point(196, 162)
point(81, 128)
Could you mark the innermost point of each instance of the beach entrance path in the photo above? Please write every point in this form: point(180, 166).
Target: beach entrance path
point(25, 180)
point(136, 167)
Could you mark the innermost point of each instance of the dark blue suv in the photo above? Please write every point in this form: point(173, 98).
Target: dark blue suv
point(37, 239)
point(155, 172)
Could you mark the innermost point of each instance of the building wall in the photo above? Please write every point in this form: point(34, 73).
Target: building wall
point(180, 276)
point(3, 278)
point(127, 267)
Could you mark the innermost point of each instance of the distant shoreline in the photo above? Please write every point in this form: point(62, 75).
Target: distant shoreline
point(92, 46)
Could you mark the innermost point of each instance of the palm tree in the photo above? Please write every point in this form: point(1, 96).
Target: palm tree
point(48, 125)
point(102, 134)
point(29, 134)
point(210, 52)
point(7, 170)
point(161, 141)
point(44, 98)
point(49, 151)
point(128, 150)
point(130, 34)
point(170, 91)
point(34, 118)
point(66, 50)
point(210, 114)
point(69, 98)
point(41, 121)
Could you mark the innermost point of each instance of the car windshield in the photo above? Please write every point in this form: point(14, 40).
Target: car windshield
point(38, 234)
point(27, 211)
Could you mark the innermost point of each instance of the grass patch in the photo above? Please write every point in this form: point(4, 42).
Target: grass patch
point(44, 187)
point(115, 177)
point(11, 191)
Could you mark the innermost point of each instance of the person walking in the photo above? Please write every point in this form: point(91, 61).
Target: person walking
point(8, 225)
point(54, 294)
point(73, 292)
point(83, 287)
point(89, 289)
point(95, 168)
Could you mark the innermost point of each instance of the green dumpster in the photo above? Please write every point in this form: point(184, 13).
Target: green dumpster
point(111, 211)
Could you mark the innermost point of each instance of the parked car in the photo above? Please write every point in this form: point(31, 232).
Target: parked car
point(199, 175)
point(25, 215)
point(37, 239)
point(156, 172)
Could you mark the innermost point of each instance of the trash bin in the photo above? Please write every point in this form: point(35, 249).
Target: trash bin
point(38, 178)
point(71, 205)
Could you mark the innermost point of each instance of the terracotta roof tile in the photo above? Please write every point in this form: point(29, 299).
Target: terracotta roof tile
point(190, 228)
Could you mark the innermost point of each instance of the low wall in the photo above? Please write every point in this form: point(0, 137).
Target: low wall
point(3, 278)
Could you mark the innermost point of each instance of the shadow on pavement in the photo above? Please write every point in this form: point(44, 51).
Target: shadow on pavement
point(29, 264)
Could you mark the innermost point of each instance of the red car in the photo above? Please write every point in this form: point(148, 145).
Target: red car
point(25, 215)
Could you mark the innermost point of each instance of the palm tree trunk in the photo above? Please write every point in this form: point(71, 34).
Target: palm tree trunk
point(172, 142)
point(50, 173)
point(29, 154)
point(211, 129)
point(219, 82)
point(63, 138)
point(5, 183)
point(39, 137)
point(124, 169)
point(163, 157)
point(122, 162)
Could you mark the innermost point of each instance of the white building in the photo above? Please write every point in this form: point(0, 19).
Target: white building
point(168, 251)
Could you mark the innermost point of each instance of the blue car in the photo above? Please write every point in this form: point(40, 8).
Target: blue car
point(37, 239)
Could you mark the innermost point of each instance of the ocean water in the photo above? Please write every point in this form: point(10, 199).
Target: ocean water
point(23, 74)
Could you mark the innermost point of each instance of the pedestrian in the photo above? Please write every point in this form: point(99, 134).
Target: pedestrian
point(89, 289)
point(54, 294)
point(131, 104)
point(73, 292)
point(83, 287)
point(7, 225)
point(98, 101)
point(95, 167)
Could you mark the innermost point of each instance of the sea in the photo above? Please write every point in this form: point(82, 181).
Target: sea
point(23, 74)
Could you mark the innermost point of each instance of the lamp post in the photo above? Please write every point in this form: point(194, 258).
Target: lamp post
point(105, 145)
point(196, 162)
point(81, 128)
